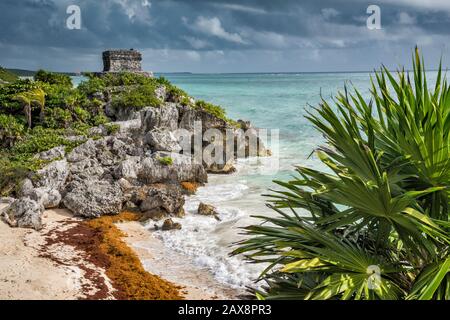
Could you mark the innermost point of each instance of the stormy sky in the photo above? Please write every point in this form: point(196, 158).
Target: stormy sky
point(224, 36)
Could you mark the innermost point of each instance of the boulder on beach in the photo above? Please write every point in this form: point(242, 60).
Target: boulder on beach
point(52, 176)
point(47, 184)
point(94, 198)
point(48, 198)
point(24, 213)
point(161, 198)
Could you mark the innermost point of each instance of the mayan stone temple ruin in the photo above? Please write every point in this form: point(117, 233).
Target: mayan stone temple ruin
point(123, 61)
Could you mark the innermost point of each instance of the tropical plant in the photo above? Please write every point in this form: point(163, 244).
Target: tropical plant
point(53, 78)
point(375, 224)
point(28, 98)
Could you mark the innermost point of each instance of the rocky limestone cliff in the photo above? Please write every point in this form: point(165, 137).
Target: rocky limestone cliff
point(140, 166)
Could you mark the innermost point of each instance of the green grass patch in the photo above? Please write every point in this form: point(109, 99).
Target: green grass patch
point(7, 76)
point(137, 97)
point(166, 161)
point(112, 128)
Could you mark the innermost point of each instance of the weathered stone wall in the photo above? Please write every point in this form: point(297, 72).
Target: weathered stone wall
point(122, 60)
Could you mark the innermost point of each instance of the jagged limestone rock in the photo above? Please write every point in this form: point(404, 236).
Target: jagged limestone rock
point(26, 188)
point(162, 140)
point(83, 152)
point(165, 117)
point(52, 176)
point(86, 169)
point(94, 198)
point(161, 93)
point(128, 169)
point(208, 121)
point(52, 154)
point(183, 168)
point(161, 197)
point(24, 213)
point(48, 198)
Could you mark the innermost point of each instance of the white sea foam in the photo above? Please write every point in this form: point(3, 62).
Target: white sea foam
point(270, 102)
point(207, 241)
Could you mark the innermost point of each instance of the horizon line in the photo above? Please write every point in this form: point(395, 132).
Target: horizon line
point(236, 73)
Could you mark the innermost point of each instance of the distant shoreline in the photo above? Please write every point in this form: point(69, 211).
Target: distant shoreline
point(30, 73)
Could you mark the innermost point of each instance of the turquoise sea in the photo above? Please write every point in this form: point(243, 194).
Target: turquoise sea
point(270, 101)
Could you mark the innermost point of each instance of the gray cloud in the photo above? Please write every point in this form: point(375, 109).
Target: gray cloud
point(223, 36)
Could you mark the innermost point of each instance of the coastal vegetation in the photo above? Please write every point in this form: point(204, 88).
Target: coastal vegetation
point(7, 76)
point(375, 224)
point(167, 161)
point(48, 111)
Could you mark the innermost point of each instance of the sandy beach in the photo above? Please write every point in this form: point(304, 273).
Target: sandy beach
point(38, 265)
point(31, 268)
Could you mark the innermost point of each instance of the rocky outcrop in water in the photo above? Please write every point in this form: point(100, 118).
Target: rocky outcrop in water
point(169, 224)
point(207, 210)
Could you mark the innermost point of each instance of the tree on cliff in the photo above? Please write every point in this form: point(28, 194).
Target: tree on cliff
point(30, 98)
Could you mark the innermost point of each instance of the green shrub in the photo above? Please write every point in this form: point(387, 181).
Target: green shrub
point(126, 79)
point(100, 119)
point(112, 128)
point(57, 118)
point(93, 85)
point(7, 76)
point(13, 171)
point(79, 128)
point(163, 81)
point(166, 161)
point(11, 130)
point(53, 78)
point(7, 93)
point(136, 97)
point(175, 94)
point(81, 114)
point(210, 108)
point(58, 96)
point(38, 140)
point(18, 162)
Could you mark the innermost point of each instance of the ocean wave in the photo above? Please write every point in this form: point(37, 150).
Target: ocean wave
point(208, 243)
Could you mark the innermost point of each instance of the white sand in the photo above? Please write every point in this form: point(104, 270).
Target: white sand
point(24, 275)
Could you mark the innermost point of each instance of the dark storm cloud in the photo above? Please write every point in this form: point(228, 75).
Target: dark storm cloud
point(200, 35)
